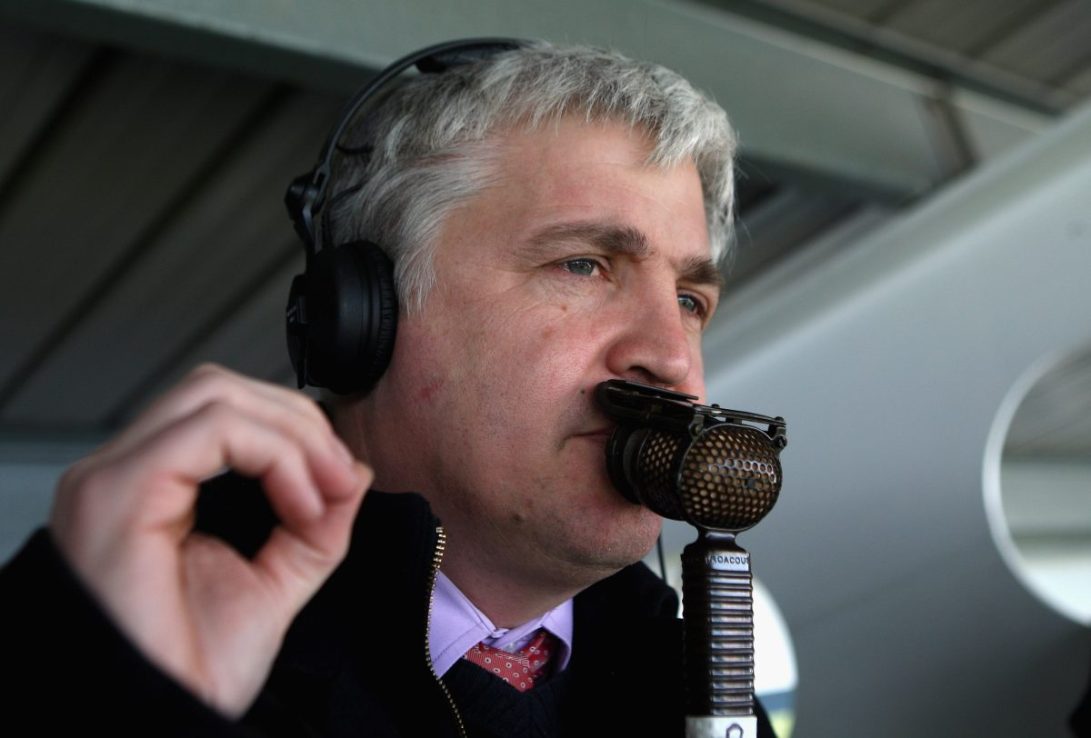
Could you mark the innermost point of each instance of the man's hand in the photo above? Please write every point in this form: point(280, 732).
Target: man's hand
point(123, 518)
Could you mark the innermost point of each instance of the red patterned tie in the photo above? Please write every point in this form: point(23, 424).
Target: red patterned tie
point(519, 669)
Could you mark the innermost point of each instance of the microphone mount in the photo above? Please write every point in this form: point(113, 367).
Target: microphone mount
point(718, 470)
point(633, 403)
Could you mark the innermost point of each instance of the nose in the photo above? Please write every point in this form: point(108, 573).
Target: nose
point(653, 344)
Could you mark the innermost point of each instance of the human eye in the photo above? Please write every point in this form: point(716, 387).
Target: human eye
point(583, 266)
point(693, 305)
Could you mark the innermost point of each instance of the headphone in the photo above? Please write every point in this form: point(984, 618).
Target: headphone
point(342, 312)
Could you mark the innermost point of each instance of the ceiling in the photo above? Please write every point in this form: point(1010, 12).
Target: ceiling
point(142, 223)
point(141, 189)
point(1033, 52)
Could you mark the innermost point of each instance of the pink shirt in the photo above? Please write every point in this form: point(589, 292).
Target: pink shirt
point(457, 625)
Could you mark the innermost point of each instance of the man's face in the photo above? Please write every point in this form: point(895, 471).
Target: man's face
point(581, 264)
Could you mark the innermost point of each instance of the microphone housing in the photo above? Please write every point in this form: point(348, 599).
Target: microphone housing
point(713, 468)
point(718, 470)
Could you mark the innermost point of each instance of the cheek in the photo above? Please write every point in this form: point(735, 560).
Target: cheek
point(527, 377)
point(697, 384)
point(428, 392)
point(561, 353)
point(528, 341)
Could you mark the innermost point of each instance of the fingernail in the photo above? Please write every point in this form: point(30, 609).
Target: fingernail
point(364, 473)
point(343, 451)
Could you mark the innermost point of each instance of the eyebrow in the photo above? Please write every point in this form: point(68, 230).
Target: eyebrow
point(702, 271)
point(630, 241)
point(614, 239)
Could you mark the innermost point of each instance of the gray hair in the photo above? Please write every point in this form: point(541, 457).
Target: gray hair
point(422, 149)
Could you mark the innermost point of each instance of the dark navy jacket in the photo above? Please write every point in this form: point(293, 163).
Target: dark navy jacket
point(354, 662)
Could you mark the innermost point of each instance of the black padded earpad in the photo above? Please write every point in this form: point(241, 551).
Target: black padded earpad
point(342, 312)
point(350, 311)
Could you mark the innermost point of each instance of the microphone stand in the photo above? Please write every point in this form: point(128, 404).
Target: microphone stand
point(718, 470)
point(718, 624)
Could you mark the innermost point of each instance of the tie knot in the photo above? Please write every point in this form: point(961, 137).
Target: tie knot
point(522, 668)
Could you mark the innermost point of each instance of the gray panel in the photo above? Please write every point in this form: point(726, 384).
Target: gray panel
point(778, 225)
point(806, 107)
point(1047, 47)
point(26, 494)
point(966, 25)
point(36, 73)
point(251, 341)
point(942, 41)
point(105, 177)
point(1080, 82)
point(230, 231)
point(993, 128)
point(910, 660)
point(855, 8)
point(796, 101)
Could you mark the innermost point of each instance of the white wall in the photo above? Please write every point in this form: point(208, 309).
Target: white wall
point(890, 364)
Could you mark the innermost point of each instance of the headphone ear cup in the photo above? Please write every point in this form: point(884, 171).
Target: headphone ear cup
point(351, 311)
point(383, 316)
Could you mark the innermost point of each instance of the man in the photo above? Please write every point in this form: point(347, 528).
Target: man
point(555, 217)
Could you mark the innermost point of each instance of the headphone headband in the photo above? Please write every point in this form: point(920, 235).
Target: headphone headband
point(307, 193)
point(341, 316)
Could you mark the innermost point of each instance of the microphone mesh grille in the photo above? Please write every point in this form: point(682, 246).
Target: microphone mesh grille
point(730, 478)
point(656, 474)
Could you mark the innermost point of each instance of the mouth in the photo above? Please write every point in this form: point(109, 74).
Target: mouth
point(597, 433)
point(594, 438)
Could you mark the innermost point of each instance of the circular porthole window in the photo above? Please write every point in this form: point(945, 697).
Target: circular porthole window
point(775, 675)
point(1038, 482)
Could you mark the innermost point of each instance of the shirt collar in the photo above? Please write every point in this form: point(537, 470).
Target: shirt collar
point(456, 625)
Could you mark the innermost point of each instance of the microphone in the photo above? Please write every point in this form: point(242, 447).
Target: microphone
point(718, 470)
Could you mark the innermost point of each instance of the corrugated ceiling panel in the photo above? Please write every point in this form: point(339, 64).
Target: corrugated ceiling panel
point(774, 227)
point(133, 263)
point(1022, 50)
point(965, 26)
point(230, 232)
point(251, 342)
point(864, 9)
point(103, 178)
point(1080, 82)
point(36, 74)
point(1047, 47)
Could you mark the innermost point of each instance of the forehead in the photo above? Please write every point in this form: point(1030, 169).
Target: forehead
point(570, 143)
point(574, 171)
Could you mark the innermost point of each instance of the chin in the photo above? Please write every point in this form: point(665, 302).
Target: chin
point(606, 530)
point(629, 536)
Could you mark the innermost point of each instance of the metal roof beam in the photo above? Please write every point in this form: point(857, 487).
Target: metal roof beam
point(799, 105)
